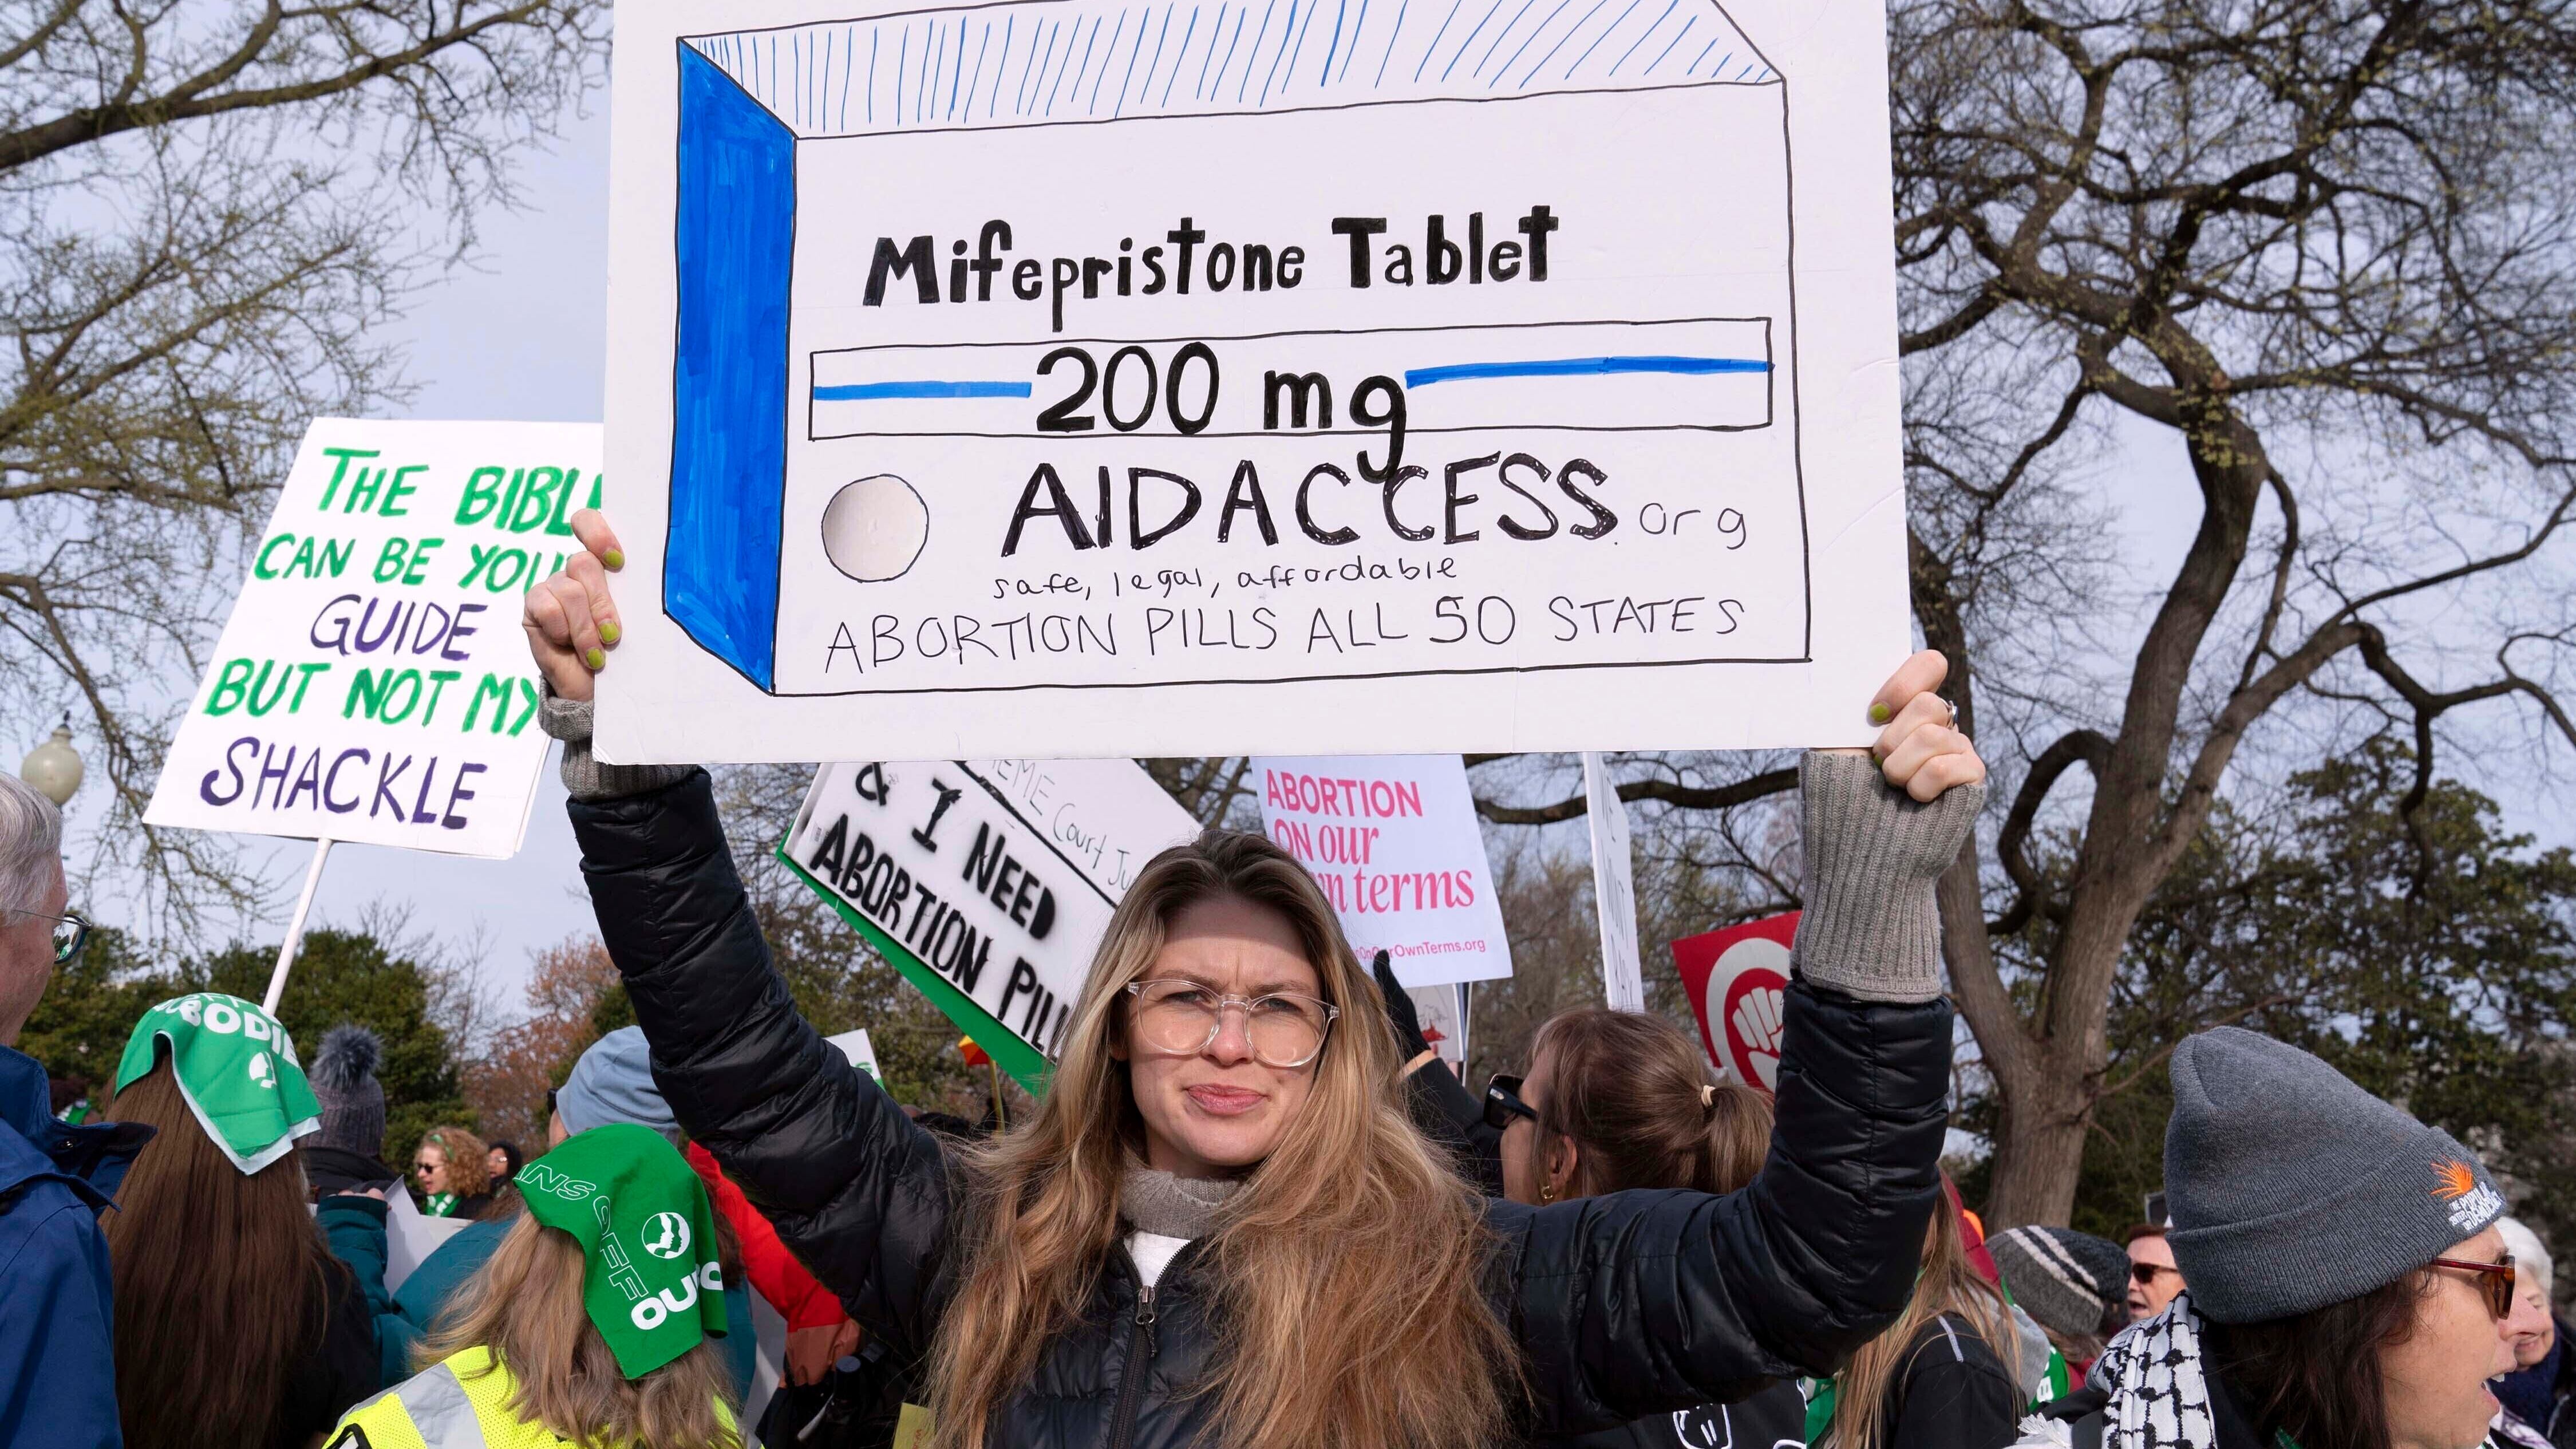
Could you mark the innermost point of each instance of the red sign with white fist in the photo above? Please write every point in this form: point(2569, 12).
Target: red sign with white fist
point(1738, 979)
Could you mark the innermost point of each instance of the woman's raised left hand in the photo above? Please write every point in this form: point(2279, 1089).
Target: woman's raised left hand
point(1921, 750)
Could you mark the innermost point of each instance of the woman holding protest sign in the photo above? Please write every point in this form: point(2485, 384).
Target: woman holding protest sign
point(1220, 1226)
point(588, 1326)
point(235, 1326)
point(1619, 1100)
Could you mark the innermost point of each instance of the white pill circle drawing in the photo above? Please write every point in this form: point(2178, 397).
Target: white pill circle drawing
point(874, 529)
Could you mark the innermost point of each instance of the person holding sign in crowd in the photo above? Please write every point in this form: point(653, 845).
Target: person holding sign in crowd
point(588, 1328)
point(235, 1326)
point(1220, 1225)
point(1614, 1100)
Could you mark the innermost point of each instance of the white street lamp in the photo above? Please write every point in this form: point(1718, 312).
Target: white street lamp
point(54, 767)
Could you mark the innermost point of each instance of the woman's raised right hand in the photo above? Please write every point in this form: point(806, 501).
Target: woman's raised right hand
point(570, 619)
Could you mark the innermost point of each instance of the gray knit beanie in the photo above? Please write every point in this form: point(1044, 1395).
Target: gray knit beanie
point(344, 1082)
point(613, 1082)
point(2065, 1279)
point(2291, 1188)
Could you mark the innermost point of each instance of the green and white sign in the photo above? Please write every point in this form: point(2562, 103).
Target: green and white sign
point(371, 685)
point(987, 883)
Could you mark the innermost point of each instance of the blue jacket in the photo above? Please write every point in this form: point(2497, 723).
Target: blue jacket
point(57, 1344)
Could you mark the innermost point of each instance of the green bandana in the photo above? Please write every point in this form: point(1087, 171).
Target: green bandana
point(237, 1070)
point(651, 1282)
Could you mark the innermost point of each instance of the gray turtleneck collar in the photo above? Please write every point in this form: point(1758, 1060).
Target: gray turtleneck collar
point(1172, 1207)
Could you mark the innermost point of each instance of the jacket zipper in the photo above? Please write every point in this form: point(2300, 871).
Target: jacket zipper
point(1140, 1357)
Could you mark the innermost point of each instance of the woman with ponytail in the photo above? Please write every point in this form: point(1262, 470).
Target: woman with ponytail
point(1615, 1101)
point(1220, 1227)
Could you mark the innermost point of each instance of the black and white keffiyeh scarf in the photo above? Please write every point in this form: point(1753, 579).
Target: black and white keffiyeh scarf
point(2158, 1387)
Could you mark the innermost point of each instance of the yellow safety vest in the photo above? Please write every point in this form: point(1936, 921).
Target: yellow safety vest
point(460, 1402)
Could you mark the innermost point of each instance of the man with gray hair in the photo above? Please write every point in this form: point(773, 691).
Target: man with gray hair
point(57, 1350)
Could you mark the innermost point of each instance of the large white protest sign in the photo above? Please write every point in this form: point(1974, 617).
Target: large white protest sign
point(1392, 839)
point(987, 883)
point(372, 684)
point(1095, 378)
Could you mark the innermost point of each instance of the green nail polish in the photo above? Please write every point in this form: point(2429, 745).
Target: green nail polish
point(596, 658)
point(609, 633)
point(1880, 714)
point(615, 558)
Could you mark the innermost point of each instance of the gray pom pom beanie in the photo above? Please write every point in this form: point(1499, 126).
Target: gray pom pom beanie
point(344, 1081)
point(2291, 1188)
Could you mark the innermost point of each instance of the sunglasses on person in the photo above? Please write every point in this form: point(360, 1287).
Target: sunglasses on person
point(1503, 1102)
point(71, 932)
point(2144, 1274)
point(2495, 1281)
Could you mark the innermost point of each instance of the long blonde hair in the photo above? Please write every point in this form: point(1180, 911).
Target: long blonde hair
point(1345, 1272)
point(1949, 1284)
point(525, 1305)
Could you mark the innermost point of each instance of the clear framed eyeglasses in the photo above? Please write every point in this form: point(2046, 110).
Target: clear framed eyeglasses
point(1182, 1018)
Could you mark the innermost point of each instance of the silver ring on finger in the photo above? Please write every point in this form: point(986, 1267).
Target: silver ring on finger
point(1954, 711)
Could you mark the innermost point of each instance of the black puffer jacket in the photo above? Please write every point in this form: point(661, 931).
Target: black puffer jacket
point(1623, 1305)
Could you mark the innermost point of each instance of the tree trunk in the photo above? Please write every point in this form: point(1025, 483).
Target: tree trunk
point(2040, 1152)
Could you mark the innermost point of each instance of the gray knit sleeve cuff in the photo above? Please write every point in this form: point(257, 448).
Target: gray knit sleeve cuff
point(1870, 928)
point(586, 776)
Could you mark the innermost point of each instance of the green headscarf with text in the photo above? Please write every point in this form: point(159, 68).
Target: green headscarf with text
point(650, 1279)
point(237, 1070)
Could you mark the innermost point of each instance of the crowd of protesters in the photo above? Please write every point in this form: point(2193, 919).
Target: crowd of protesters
point(1253, 1208)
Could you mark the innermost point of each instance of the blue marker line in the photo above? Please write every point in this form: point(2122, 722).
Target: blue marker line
point(1392, 37)
point(1180, 59)
point(1578, 367)
point(1571, 32)
point(928, 388)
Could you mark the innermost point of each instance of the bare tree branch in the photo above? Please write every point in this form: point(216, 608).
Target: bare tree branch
point(1666, 792)
point(211, 217)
